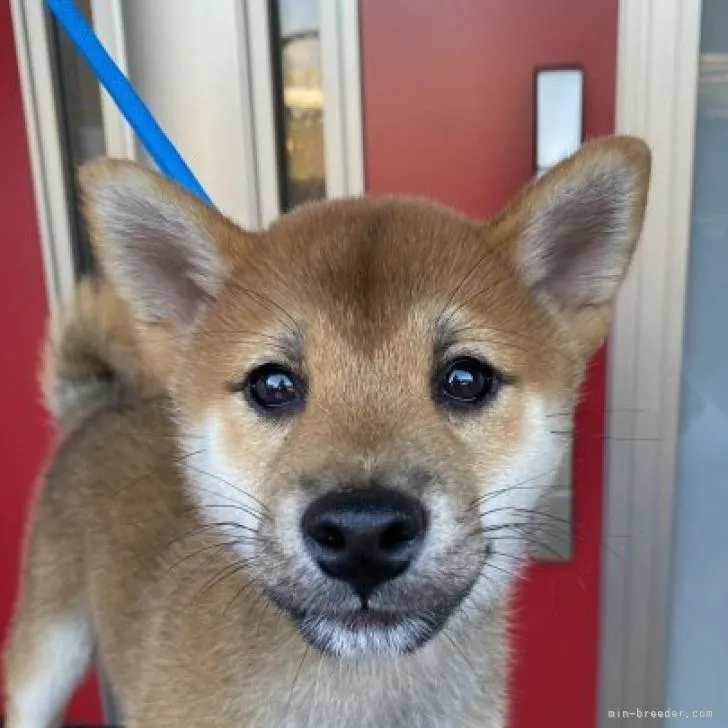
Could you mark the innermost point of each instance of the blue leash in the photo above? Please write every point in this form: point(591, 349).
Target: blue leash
point(155, 141)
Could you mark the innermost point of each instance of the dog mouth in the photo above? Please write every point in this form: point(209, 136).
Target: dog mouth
point(362, 633)
point(398, 619)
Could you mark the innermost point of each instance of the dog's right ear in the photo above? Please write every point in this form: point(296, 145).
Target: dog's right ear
point(166, 253)
point(162, 248)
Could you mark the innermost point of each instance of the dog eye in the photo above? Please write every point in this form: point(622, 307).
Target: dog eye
point(274, 388)
point(467, 382)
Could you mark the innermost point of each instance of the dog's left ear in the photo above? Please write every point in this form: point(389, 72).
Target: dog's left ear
point(572, 233)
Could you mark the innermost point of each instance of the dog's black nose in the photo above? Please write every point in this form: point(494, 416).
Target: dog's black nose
point(364, 537)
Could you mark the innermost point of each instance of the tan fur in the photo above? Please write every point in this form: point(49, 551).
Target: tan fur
point(356, 295)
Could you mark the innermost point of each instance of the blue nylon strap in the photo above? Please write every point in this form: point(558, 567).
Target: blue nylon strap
point(155, 141)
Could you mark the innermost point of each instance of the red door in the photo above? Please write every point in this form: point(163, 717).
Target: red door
point(447, 114)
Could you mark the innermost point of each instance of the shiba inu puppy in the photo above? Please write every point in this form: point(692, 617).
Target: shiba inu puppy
point(297, 468)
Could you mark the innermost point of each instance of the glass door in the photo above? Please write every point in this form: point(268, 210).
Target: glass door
point(697, 672)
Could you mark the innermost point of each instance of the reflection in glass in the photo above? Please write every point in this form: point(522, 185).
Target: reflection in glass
point(296, 51)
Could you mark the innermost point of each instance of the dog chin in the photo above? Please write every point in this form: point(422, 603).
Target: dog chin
point(367, 634)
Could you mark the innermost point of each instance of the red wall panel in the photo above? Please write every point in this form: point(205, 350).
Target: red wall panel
point(24, 430)
point(448, 114)
point(24, 427)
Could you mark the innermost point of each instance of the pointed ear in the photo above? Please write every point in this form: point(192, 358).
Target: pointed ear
point(161, 247)
point(572, 233)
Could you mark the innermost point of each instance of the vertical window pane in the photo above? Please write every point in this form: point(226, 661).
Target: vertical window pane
point(296, 62)
point(83, 132)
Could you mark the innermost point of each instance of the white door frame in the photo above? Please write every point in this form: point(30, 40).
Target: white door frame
point(108, 22)
point(43, 129)
point(658, 58)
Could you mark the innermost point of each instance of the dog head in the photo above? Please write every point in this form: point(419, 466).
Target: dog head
point(372, 393)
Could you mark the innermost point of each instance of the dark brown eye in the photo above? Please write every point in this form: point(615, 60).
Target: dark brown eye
point(274, 388)
point(467, 382)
